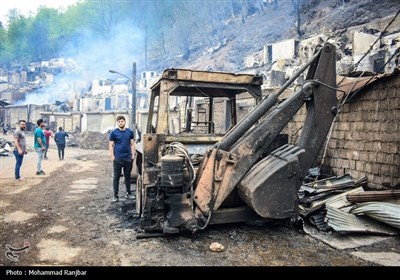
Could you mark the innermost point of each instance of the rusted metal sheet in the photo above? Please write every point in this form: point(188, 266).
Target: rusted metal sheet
point(211, 139)
point(349, 84)
point(163, 111)
point(207, 76)
point(374, 196)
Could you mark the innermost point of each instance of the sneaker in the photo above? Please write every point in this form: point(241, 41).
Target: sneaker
point(21, 179)
point(129, 196)
point(40, 173)
point(114, 199)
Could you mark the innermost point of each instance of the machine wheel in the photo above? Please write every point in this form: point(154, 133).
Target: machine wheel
point(139, 187)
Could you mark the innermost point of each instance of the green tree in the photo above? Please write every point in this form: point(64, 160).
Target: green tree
point(3, 38)
point(44, 33)
point(17, 38)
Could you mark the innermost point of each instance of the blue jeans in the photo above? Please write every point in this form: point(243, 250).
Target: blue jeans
point(39, 159)
point(18, 164)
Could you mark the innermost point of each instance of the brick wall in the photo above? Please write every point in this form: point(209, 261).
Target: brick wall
point(366, 135)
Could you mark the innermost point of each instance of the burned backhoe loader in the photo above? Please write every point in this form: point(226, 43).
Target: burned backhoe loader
point(245, 171)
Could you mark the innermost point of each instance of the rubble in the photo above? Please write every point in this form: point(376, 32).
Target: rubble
point(90, 140)
point(5, 147)
point(333, 204)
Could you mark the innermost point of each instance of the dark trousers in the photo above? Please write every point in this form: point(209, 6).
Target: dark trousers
point(118, 165)
point(61, 148)
point(18, 164)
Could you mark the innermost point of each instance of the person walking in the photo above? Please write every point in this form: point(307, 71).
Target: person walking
point(59, 137)
point(20, 148)
point(122, 152)
point(5, 128)
point(47, 134)
point(40, 145)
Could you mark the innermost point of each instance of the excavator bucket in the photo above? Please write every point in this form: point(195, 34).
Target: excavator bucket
point(270, 187)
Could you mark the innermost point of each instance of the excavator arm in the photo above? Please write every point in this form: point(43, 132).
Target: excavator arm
point(282, 172)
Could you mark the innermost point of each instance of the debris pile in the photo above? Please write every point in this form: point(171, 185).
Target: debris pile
point(342, 204)
point(5, 147)
point(91, 140)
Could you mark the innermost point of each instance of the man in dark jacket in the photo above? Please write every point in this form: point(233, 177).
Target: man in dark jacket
point(59, 138)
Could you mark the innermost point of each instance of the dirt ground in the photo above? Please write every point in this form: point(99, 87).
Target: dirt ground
point(68, 219)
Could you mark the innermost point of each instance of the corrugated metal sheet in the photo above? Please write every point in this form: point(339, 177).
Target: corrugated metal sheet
point(347, 84)
point(345, 222)
point(318, 220)
point(340, 200)
point(387, 213)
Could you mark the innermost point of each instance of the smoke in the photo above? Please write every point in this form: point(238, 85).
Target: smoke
point(117, 49)
point(90, 56)
point(61, 90)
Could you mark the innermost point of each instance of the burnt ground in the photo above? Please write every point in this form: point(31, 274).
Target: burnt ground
point(68, 219)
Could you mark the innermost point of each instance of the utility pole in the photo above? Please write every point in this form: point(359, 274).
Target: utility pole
point(133, 83)
point(145, 48)
point(134, 97)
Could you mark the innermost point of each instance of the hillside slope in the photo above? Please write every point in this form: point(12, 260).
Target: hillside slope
point(276, 24)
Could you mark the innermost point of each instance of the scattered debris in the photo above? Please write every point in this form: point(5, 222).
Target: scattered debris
point(328, 204)
point(5, 147)
point(91, 140)
point(216, 247)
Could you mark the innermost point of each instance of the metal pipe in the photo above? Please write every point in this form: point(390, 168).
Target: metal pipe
point(246, 123)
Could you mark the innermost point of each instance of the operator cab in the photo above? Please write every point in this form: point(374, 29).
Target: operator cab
point(198, 107)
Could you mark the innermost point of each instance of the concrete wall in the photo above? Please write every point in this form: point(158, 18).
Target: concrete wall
point(102, 121)
point(67, 121)
point(284, 49)
point(15, 113)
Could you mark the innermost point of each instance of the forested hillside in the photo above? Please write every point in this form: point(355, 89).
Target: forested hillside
point(157, 34)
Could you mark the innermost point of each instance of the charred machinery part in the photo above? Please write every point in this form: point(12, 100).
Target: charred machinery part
point(233, 181)
point(172, 173)
point(270, 187)
point(242, 127)
point(172, 184)
point(246, 152)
